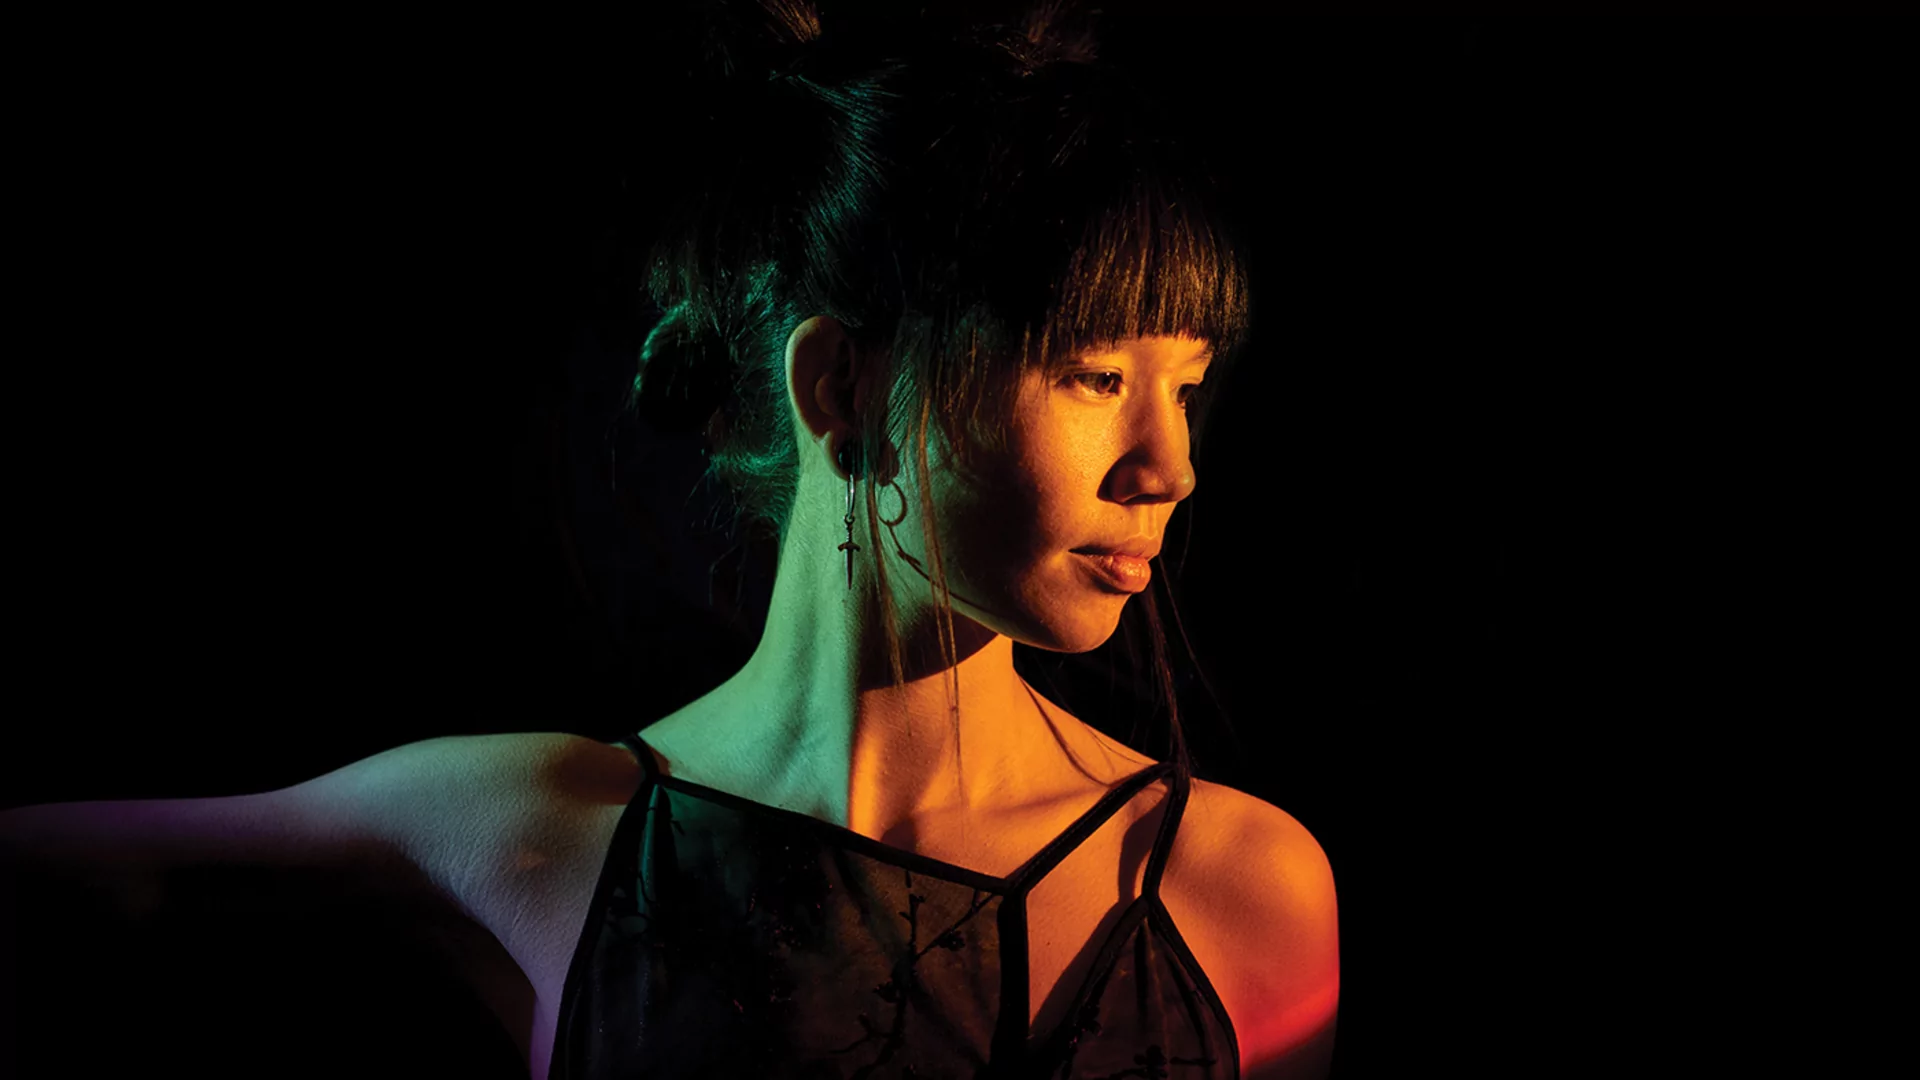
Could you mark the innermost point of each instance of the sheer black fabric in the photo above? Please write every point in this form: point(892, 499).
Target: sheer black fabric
point(731, 939)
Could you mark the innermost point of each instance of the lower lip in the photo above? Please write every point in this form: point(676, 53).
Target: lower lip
point(1127, 573)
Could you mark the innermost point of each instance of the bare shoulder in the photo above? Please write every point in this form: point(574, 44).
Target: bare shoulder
point(484, 775)
point(1263, 850)
point(461, 805)
point(1270, 928)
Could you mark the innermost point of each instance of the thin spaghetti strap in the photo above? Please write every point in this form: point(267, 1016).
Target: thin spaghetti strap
point(1179, 784)
point(636, 746)
point(1063, 845)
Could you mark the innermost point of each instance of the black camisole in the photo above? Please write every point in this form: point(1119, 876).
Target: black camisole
point(730, 939)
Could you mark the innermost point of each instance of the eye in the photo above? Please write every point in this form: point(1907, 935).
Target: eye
point(1102, 383)
point(1109, 383)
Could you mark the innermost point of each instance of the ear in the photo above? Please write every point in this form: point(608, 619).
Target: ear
point(826, 377)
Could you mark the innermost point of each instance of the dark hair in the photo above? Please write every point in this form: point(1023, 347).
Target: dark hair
point(974, 202)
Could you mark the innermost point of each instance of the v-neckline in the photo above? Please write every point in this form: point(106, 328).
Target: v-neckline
point(1021, 880)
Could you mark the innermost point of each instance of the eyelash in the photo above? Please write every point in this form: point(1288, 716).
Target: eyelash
point(1083, 378)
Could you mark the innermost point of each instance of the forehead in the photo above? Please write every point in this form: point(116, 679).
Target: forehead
point(1158, 350)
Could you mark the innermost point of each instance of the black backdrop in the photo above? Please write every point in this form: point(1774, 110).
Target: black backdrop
point(317, 451)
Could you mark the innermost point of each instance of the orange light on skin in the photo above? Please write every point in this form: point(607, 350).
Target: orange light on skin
point(1297, 1040)
point(1275, 904)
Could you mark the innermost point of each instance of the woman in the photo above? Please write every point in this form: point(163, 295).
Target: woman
point(944, 299)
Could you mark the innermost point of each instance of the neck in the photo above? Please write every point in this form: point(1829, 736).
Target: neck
point(826, 730)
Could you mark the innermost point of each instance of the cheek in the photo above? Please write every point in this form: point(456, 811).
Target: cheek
point(1020, 520)
point(990, 527)
point(1007, 529)
point(1064, 467)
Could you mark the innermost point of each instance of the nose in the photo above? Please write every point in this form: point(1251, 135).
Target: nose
point(1156, 466)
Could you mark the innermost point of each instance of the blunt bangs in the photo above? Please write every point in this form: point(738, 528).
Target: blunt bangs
point(1150, 266)
point(1087, 226)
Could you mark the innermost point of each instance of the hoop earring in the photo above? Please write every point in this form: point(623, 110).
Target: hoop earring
point(890, 520)
point(899, 548)
point(850, 461)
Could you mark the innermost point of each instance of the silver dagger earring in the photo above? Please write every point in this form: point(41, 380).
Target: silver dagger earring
point(850, 461)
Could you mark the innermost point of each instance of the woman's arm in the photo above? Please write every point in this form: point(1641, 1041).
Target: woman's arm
point(297, 826)
point(430, 815)
point(422, 832)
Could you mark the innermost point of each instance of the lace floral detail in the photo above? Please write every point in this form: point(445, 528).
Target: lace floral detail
point(898, 991)
point(1084, 1024)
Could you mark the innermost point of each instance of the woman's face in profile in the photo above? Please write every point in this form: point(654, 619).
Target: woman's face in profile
point(1047, 543)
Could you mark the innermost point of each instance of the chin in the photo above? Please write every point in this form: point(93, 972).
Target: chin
point(1083, 634)
point(1071, 620)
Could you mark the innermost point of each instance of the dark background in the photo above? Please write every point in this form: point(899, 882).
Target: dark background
point(319, 350)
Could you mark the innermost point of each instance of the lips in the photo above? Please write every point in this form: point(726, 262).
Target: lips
point(1121, 571)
